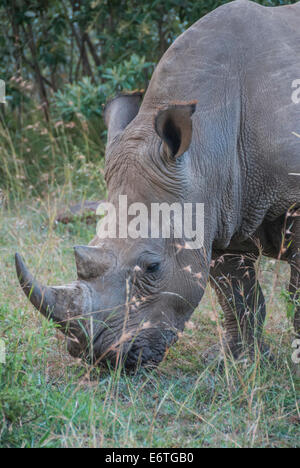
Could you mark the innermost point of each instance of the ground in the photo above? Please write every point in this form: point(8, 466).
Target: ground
point(48, 399)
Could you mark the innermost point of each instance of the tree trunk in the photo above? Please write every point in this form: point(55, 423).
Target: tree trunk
point(38, 74)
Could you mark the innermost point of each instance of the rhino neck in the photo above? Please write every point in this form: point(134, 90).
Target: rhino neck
point(139, 169)
point(209, 172)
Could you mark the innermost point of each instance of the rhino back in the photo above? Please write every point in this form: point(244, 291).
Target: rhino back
point(227, 44)
point(239, 63)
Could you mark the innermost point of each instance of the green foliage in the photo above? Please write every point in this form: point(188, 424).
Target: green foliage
point(291, 304)
point(127, 75)
point(86, 99)
point(81, 99)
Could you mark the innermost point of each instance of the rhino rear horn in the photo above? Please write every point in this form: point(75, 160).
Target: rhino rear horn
point(120, 111)
point(92, 262)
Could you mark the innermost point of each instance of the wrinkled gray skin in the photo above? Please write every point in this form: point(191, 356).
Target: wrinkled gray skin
point(232, 150)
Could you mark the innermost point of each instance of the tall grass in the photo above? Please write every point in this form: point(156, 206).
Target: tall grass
point(39, 158)
point(48, 399)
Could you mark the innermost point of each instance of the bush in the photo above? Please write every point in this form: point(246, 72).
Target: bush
point(85, 98)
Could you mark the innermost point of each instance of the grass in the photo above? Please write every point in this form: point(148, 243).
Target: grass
point(48, 399)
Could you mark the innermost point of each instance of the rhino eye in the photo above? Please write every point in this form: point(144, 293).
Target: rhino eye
point(153, 267)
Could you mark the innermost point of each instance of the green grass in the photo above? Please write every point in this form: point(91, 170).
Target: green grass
point(48, 399)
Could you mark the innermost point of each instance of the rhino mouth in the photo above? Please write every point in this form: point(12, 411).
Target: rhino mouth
point(151, 353)
point(147, 349)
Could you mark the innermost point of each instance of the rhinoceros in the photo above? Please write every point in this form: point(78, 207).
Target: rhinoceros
point(218, 126)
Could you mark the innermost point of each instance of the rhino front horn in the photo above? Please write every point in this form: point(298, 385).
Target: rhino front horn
point(57, 303)
point(41, 297)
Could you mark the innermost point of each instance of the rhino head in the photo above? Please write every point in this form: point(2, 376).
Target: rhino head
point(132, 297)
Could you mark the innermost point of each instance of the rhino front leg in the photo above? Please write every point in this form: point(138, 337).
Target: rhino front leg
point(294, 287)
point(234, 279)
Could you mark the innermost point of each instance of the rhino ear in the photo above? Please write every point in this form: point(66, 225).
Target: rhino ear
point(120, 111)
point(174, 126)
